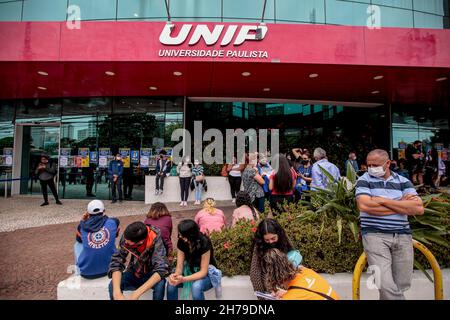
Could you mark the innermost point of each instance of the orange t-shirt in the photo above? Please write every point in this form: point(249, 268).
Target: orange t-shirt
point(311, 280)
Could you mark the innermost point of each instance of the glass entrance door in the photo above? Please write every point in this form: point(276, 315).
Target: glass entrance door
point(37, 140)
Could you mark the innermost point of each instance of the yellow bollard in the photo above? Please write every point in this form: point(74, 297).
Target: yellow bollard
point(437, 273)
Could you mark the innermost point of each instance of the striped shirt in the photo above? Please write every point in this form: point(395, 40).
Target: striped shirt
point(395, 187)
point(197, 171)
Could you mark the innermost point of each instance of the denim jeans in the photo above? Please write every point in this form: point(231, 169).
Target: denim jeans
point(129, 282)
point(198, 191)
point(392, 256)
point(77, 249)
point(198, 289)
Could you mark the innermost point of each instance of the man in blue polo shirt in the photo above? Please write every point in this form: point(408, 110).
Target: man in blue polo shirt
point(385, 200)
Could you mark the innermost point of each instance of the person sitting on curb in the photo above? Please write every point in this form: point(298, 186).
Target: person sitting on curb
point(269, 234)
point(159, 217)
point(289, 283)
point(95, 241)
point(147, 267)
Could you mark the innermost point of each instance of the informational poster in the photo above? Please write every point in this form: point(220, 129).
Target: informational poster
point(78, 161)
point(103, 157)
point(444, 154)
point(402, 145)
point(401, 154)
point(84, 154)
point(8, 157)
point(93, 157)
point(135, 156)
point(64, 156)
point(146, 153)
point(125, 153)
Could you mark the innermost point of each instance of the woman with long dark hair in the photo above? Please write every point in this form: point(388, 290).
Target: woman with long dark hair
point(184, 170)
point(245, 208)
point(269, 234)
point(282, 184)
point(195, 262)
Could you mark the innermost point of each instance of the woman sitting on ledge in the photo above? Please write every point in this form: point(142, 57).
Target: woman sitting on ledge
point(289, 283)
point(269, 235)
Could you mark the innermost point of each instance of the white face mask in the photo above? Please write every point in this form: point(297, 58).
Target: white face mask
point(377, 171)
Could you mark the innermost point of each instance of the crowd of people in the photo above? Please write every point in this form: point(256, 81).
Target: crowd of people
point(384, 197)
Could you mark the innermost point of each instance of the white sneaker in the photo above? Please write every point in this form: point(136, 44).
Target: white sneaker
point(185, 204)
point(196, 202)
point(156, 192)
point(234, 200)
point(181, 203)
point(161, 192)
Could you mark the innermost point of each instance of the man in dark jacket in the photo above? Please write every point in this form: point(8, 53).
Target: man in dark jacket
point(95, 243)
point(115, 172)
point(163, 166)
point(46, 172)
point(148, 265)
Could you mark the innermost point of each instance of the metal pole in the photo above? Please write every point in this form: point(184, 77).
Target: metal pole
point(264, 11)
point(167, 9)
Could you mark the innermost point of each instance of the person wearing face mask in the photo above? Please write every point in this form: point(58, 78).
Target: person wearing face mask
point(196, 270)
point(265, 170)
point(46, 172)
point(352, 161)
point(304, 177)
point(415, 158)
point(147, 267)
point(385, 200)
point(184, 171)
point(115, 171)
point(269, 235)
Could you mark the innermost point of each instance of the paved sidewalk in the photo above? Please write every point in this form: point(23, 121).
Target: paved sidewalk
point(21, 212)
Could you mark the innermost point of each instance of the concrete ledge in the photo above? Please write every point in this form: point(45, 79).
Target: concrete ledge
point(218, 188)
point(240, 288)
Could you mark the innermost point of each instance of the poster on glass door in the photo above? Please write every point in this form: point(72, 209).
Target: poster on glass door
point(103, 154)
point(146, 153)
point(125, 153)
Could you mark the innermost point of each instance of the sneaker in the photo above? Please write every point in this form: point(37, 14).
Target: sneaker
point(120, 200)
point(185, 203)
point(156, 192)
point(44, 204)
point(161, 192)
point(182, 204)
point(114, 201)
point(234, 200)
point(58, 202)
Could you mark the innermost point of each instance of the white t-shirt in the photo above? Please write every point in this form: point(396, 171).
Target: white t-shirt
point(235, 172)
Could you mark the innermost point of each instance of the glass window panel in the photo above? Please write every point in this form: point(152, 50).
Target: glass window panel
point(196, 8)
point(98, 9)
point(405, 4)
point(431, 6)
point(84, 106)
point(392, 17)
point(425, 20)
point(312, 11)
point(346, 13)
point(38, 110)
point(11, 11)
point(249, 9)
point(132, 9)
point(44, 10)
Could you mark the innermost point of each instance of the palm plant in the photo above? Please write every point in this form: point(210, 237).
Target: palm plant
point(338, 203)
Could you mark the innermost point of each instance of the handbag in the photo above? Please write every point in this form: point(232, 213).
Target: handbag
point(224, 172)
point(199, 178)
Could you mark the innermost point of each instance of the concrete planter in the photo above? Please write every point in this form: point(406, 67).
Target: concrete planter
point(240, 288)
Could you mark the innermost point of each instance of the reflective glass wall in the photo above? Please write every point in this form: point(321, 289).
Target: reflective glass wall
point(389, 13)
point(336, 128)
point(86, 133)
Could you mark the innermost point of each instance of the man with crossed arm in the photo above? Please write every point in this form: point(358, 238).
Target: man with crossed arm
point(385, 200)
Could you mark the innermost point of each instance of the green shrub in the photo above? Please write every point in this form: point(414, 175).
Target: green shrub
point(318, 244)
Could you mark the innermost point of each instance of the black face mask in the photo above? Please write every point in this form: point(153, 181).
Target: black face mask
point(273, 245)
point(305, 161)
